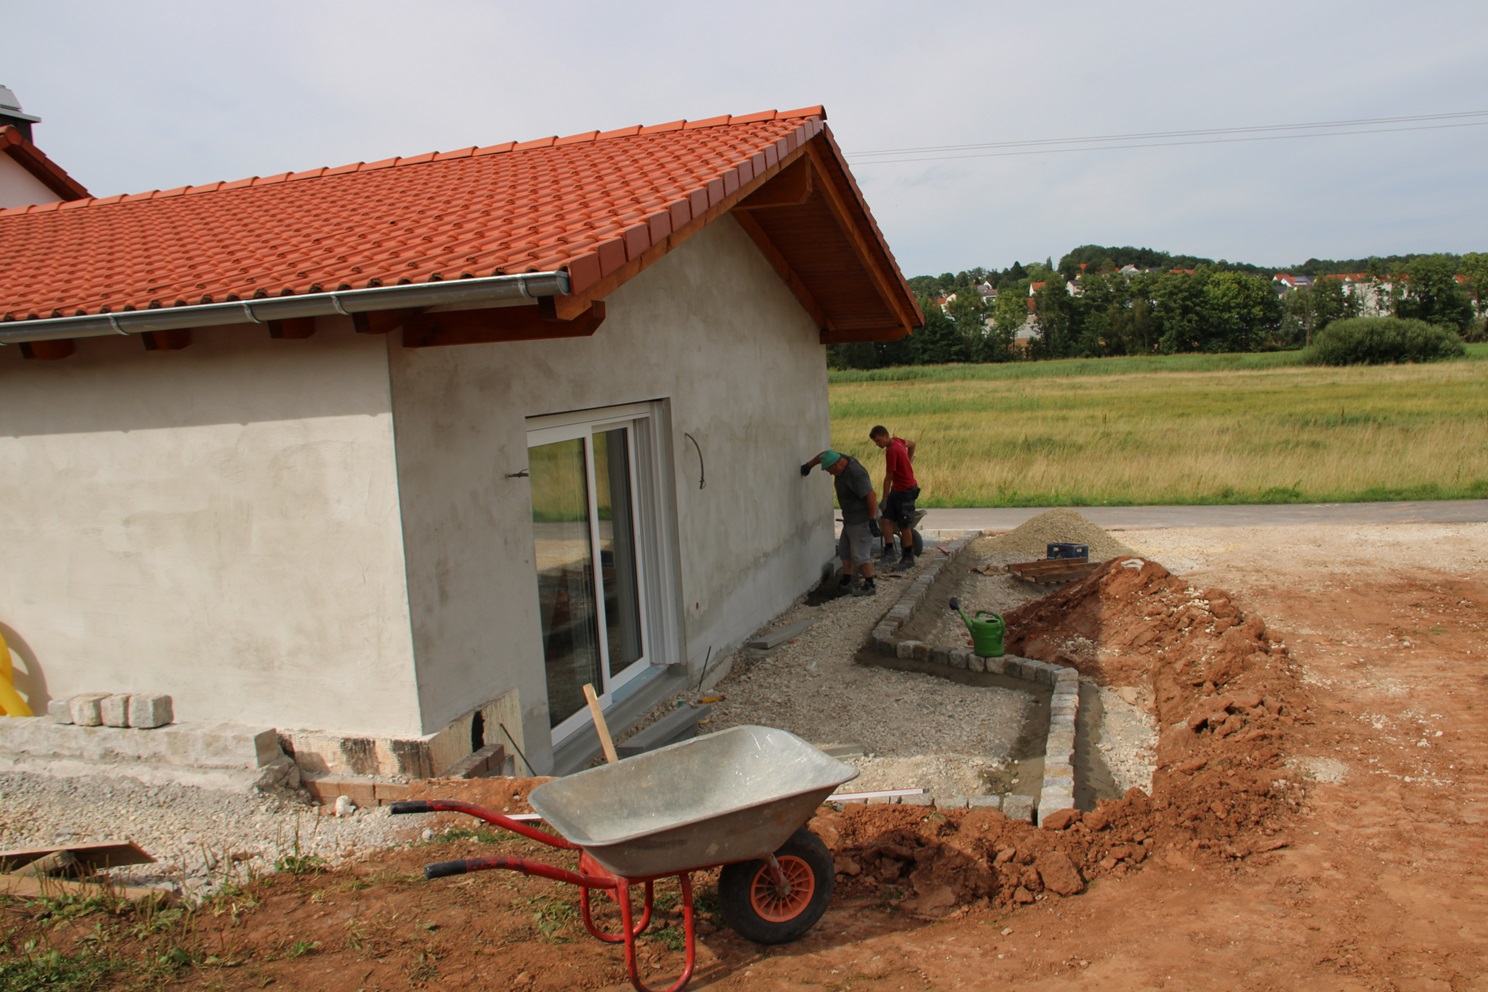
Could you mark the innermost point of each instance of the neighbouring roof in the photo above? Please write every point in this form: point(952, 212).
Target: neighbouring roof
point(599, 207)
point(14, 144)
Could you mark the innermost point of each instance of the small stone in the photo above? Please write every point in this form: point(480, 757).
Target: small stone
point(344, 806)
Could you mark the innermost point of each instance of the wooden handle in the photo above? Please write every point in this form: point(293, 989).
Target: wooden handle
point(599, 724)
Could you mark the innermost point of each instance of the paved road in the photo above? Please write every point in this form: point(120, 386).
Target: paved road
point(1144, 517)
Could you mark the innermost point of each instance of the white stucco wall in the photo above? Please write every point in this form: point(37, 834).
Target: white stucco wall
point(712, 331)
point(219, 523)
point(18, 188)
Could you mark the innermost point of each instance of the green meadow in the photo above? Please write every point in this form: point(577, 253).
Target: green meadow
point(1185, 429)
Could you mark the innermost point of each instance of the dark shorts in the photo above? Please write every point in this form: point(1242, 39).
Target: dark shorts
point(899, 508)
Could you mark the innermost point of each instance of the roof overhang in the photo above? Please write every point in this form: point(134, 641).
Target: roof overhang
point(809, 220)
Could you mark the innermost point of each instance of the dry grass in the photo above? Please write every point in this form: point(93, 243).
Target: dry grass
point(1287, 434)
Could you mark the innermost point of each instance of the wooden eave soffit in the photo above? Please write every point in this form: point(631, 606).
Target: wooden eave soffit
point(428, 330)
point(420, 330)
point(792, 187)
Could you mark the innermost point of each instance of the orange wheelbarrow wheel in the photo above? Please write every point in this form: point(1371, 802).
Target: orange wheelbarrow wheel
point(767, 909)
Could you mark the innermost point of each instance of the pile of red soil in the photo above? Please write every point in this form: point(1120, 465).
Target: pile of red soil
point(1223, 694)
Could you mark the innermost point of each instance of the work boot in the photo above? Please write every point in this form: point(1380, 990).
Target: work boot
point(868, 588)
point(905, 563)
point(845, 582)
point(887, 558)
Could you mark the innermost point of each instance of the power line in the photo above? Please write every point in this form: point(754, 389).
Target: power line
point(1155, 139)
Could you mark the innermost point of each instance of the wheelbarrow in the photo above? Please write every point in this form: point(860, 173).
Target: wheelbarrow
point(737, 799)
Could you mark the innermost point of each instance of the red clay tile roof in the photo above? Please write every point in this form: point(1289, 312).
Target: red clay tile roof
point(589, 204)
point(14, 144)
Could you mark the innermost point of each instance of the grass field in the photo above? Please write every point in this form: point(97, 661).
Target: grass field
point(1176, 430)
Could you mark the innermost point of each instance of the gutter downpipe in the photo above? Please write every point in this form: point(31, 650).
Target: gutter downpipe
point(455, 292)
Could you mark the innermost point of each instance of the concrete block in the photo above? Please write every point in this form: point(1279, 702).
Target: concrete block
point(778, 637)
point(906, 649)
point(922, 799)
point(85, 708)
point(885, 645)
point(59, 711)
point(1018, 807)
point(950, 802)
point(113, 709)
point(150, 710)
point(940, 655)
point(921, 651)
point(961, 659)
point(994, 666)
point(974, 661)
point(1012, 667)
point(984, 802)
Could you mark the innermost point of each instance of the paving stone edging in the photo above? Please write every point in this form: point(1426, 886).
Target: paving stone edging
point(1057, 790)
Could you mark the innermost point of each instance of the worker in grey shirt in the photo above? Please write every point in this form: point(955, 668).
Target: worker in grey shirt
point(859, 504)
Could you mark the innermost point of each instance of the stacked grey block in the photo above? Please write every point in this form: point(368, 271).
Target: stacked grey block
point(141, 710)
point(1058, 788)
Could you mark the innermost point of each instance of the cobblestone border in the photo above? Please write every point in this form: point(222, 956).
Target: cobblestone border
point(1057, 790)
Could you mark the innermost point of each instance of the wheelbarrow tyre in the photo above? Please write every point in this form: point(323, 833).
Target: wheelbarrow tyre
point(918, 543)
point(753, 907)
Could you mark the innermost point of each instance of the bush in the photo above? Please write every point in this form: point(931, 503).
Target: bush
point(1382, 341)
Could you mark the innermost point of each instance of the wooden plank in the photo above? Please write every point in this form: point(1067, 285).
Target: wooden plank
point(1053, 571)
point(24, 887)
point(89, 857)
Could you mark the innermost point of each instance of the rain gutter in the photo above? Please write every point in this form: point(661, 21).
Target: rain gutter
point(455, 292)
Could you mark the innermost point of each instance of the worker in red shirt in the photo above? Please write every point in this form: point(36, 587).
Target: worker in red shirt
point(900, 491)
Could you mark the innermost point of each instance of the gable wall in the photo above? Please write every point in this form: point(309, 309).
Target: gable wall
point(19, 188)
point(218, 523)
point(711, 330)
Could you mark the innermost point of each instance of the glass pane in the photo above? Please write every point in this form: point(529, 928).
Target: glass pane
point(565, 574)
point(617, 548)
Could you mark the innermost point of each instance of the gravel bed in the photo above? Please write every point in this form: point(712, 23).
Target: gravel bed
point(200, 838)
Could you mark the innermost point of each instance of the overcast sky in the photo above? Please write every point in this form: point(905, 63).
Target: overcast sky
point(154, 94)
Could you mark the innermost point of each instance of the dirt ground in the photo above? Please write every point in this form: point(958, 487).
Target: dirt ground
point(1317, 819)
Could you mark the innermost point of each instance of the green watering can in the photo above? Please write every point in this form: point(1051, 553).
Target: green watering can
point(986, 630)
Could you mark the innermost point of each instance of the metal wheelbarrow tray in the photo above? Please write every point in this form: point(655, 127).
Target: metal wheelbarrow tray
point(735, 799)
point(713, 800)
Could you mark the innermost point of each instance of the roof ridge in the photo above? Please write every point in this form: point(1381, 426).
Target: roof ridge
point(804, 113)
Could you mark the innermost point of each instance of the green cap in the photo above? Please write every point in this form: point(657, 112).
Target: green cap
point(829, 458)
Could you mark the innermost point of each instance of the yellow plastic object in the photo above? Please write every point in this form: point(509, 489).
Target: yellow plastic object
point(11, 703)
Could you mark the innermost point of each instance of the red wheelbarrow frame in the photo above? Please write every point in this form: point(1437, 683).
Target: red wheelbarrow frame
point(591, 875)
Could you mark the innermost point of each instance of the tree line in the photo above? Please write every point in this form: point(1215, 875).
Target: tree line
point(1166, 304)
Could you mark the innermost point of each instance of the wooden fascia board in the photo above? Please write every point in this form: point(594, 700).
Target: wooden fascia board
point(838, 336)
point(499, 324)
point(864, 246)
point(783, 269)
point(570, 307)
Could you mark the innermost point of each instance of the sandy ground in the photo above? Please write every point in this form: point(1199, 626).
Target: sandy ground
point(1330, 835)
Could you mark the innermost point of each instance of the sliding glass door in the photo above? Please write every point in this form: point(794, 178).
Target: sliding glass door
point(591, 581)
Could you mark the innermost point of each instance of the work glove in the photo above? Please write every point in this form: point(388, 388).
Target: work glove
point(873, 527)
point(805, 470)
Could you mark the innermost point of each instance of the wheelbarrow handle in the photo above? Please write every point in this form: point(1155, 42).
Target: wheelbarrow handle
point(480, 813)
point(444, 869)
point(410, 806)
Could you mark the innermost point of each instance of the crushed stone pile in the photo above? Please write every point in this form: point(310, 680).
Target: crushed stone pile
point(1030, 541)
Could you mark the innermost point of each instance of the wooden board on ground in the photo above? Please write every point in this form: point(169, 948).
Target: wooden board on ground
point(30, 887)
point(1053, 571)
point(85, 858)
